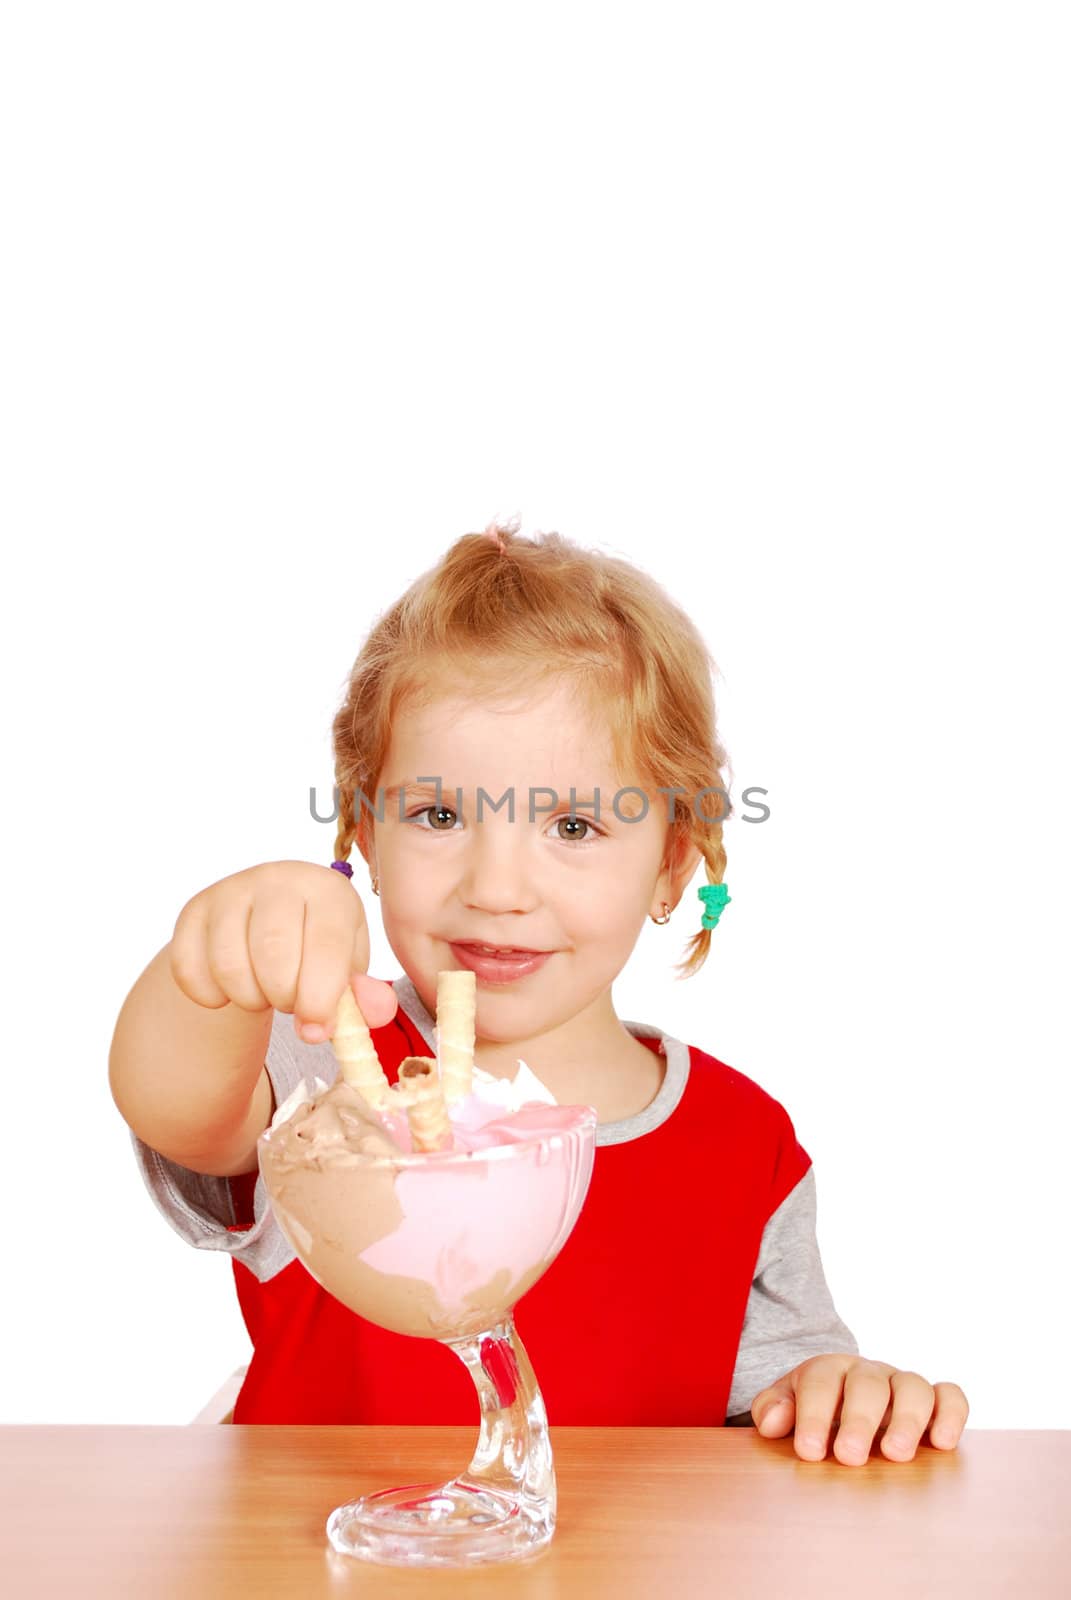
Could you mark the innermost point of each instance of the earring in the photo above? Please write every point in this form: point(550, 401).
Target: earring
point(661, 921)
point(375, 884)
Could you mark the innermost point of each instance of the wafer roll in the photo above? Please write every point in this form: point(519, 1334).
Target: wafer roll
point(455, 1006)
point(355, 1052)
point(422, 1095)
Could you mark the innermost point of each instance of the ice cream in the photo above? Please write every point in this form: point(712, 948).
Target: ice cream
point(427, 1213)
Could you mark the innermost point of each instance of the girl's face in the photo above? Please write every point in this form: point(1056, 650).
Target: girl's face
point(554, 880)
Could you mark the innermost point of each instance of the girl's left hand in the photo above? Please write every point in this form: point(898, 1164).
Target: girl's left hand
point(870, 1395)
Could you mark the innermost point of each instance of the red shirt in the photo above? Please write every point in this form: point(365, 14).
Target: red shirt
point(636, 1322)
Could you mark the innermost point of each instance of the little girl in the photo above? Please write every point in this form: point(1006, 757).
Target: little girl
point(527, 760)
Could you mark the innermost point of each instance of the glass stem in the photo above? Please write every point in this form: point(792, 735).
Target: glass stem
point(513, 1453)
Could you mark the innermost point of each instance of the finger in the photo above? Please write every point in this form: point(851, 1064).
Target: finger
point(951, 1411)
point(906, 1415)
point(377, 999)
point(774, 1408)
point(912, 1408)
point(328, 943)
point(188, 957)
point(228, 956)
point(276, 924)
point(818, 1393)
point(775, 1418)
point(864, 1405)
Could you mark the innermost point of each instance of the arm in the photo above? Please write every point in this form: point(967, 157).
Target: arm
point(201, 1208)
point(190, 1081)
point(790, 1312)
point(797, 1354)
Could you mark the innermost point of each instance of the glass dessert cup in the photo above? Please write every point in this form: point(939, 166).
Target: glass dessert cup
point(443, 1245)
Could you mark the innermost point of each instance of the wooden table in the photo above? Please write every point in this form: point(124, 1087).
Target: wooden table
point(658, 1513)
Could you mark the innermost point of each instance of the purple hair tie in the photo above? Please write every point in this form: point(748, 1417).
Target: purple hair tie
point(343, 866)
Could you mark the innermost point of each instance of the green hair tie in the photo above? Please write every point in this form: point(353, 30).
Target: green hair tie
point(715, 897)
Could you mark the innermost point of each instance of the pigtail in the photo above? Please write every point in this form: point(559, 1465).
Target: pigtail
point(347, 821)
point(707, 837)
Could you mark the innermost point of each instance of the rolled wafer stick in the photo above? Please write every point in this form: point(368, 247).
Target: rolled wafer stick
point(422, 1096)
point(455, 1020)
point(356, 1054)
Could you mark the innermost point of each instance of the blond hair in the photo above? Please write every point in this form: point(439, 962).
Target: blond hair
point(500, 614)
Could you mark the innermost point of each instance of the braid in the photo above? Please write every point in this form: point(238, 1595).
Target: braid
point(347, 824)
point(706, 837)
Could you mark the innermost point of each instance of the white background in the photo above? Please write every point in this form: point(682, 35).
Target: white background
point(771, 300)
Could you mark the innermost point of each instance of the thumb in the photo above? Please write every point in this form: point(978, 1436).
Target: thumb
point(377, 999)
point(774, 1410)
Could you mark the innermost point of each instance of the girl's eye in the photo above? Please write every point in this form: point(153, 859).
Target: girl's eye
point(437, 813)
point(588, 837)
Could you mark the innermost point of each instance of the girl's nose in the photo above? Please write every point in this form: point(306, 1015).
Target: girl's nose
point(497, 872)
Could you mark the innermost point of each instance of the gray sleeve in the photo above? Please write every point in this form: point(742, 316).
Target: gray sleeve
point(200, 1207)
point(790, 1313)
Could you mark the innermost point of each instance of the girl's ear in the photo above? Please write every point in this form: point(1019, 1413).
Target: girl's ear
point(683, 858)
point(685, 868)
point(363, 842)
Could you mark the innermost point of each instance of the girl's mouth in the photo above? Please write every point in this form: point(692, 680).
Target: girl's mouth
point(499, 966)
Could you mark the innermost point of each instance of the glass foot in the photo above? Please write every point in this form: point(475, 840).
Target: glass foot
point(454, 1524)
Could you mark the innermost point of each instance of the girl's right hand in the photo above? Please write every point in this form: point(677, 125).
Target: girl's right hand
point(286, 936)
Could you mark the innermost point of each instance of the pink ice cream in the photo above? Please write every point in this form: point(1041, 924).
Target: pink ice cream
point(438, 1244)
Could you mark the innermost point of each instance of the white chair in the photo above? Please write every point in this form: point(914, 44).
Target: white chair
point(221, 1406)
